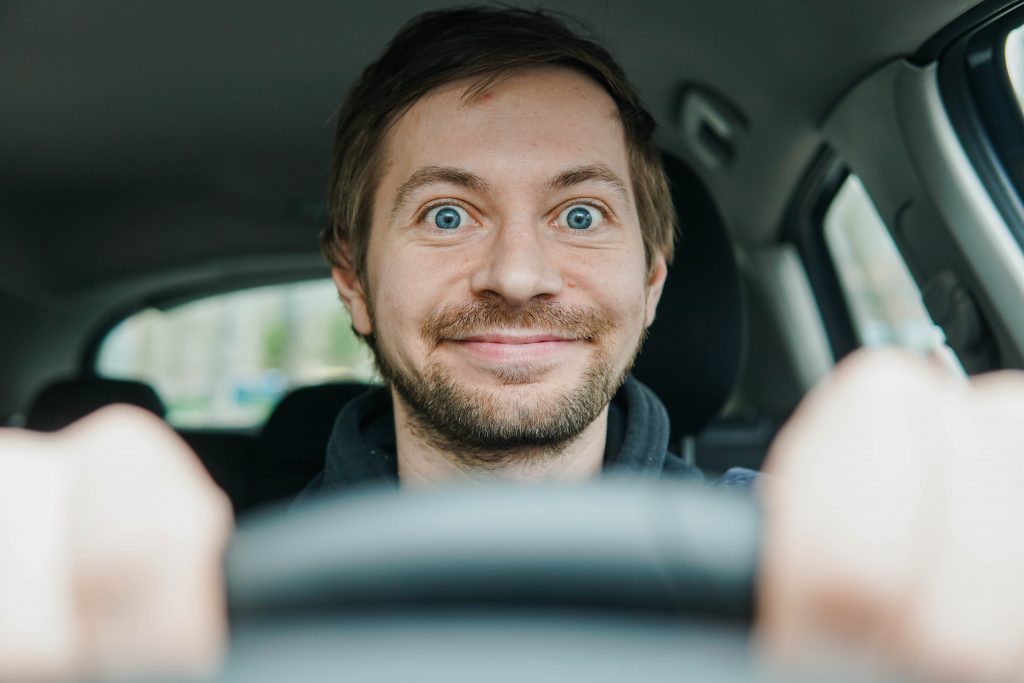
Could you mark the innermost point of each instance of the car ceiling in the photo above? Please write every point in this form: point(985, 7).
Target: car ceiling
point(146, 136)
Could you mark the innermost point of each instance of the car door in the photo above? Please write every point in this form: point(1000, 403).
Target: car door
point(925, 153)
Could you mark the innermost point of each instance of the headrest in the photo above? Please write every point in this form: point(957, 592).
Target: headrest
point(66, 400)
point(301, 423)
point(692, 355)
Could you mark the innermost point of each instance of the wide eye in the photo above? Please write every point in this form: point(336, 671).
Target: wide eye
point(447, 217)
point(580, 217)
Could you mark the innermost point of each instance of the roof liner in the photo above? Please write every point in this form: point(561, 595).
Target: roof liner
point(144, 135)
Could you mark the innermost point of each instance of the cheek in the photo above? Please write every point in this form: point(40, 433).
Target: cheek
point(617, 284)
point(394, 299)
point(406, 289)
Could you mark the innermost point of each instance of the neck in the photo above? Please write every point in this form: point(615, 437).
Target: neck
point(422, 464)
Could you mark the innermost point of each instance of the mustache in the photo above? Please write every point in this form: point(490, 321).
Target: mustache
point(457, 321)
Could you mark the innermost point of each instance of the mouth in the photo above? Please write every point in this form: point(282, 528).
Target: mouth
point(512, 338)
point(513, 348)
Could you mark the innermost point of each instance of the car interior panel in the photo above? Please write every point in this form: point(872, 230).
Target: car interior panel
point(159, 158)
point(62, 402)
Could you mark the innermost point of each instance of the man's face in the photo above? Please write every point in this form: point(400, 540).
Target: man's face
point(507, 284)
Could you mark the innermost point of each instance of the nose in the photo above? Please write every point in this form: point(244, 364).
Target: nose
point(517, 267)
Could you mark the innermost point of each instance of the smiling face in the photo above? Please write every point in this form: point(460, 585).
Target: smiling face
point(507, 286)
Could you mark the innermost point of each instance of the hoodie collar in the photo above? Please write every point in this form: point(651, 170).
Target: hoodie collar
point(362, 451)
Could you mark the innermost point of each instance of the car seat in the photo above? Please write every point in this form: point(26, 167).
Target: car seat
point(293, 442)
point(694, 349)
point(65, 400)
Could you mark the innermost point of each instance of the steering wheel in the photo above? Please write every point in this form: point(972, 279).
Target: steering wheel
point(496, 583)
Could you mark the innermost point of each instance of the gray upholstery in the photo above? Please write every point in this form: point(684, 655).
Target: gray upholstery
point(693, 352)
point(64, 401)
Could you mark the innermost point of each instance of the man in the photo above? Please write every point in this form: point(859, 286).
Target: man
point(500, 226)
point(499, 230)
point(500, 236)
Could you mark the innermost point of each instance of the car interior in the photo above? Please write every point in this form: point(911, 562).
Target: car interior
point(154, 155)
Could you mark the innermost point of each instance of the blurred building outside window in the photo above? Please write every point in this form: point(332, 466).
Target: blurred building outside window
point(224, 361)
point(883, 299)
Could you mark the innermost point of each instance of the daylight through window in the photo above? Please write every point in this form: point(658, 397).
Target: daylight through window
point(225, 360)
point(883, 299)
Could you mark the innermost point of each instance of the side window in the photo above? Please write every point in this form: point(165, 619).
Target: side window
point(1015, 62)
point(224, 361)
point(981, 79)
point(883, 299)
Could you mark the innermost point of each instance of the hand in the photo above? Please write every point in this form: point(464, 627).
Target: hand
point(895, 522)
point(111, 540)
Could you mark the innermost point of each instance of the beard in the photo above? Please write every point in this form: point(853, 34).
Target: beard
point(494, 428)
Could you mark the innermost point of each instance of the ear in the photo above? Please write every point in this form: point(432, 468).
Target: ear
point(352, 295)
point(655, 285)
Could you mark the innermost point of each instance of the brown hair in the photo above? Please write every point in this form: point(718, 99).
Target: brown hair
point(439, 47)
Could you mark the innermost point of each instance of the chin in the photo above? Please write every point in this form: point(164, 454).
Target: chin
point(544, 377)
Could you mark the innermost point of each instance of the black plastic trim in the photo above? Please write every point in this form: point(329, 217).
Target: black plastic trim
point(988, 10)
point(804, 227)
point(976, 90)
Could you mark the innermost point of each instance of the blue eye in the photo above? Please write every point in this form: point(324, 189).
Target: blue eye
point(446, 217)
point(581, 217)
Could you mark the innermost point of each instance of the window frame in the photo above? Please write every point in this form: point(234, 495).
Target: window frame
point(804, 226)
point(976, 90)
point(179, 295)
point(173, 298)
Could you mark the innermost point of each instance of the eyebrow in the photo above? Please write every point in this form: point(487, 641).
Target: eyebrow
point(582, 174)
point(435, 175)
point(449, 175)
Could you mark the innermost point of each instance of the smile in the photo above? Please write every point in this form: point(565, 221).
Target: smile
point(511, 348)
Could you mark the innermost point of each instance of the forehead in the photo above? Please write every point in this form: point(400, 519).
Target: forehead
point(534, 123)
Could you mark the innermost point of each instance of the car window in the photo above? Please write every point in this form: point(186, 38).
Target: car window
point(981, 78)
point(224, 361)
point(885, 303)
point(1015, 62)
